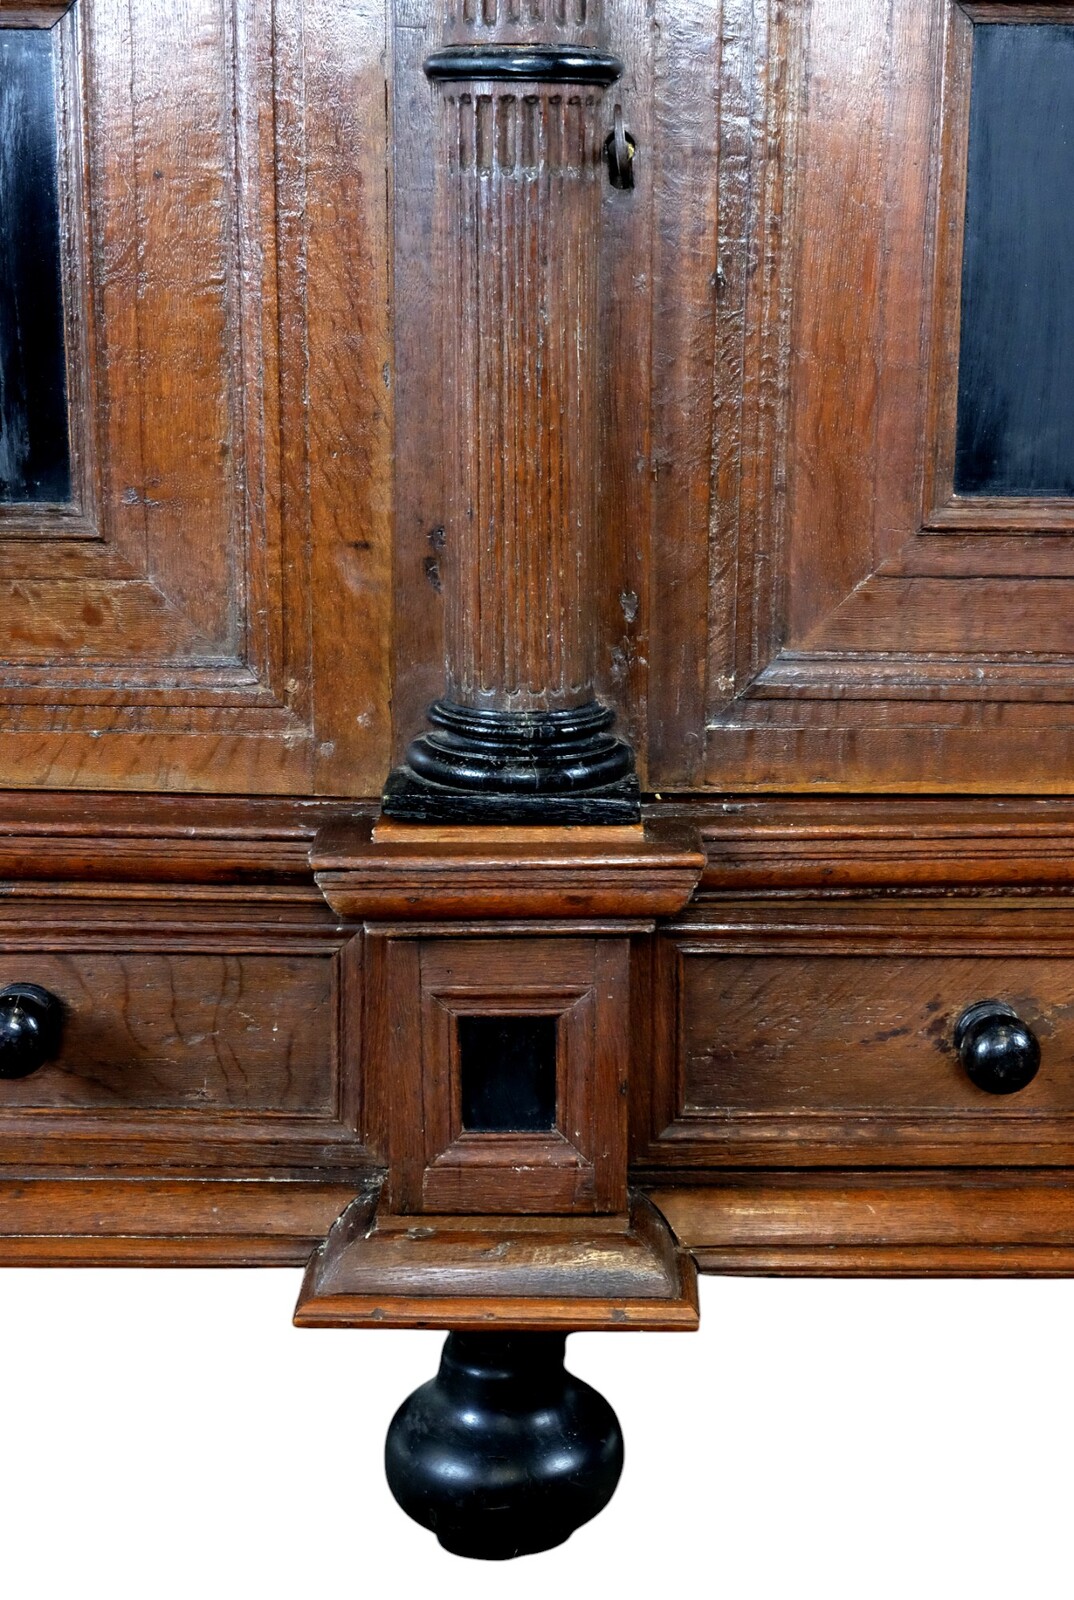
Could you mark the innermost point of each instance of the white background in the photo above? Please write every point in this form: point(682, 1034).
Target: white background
point(170, 1434)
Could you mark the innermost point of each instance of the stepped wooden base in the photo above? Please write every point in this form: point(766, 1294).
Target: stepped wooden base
point(505, 1273)
point(408, 873)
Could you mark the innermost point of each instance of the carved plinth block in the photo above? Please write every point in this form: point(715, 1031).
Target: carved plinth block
point(548, 1273)
point(502, 972)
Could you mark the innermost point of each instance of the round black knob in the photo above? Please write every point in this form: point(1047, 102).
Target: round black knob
point(31, 1026)
point(999, 1052)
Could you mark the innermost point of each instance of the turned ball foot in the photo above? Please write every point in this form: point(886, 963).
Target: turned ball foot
point(503, 1453)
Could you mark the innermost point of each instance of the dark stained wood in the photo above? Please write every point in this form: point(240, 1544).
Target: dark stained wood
point(145, 839)
point(206, 1026)
point(826, 653)
point(494, 1272)
point(747, 842)
point(777, 609)
point(196, 1033)
point(771, 845)
point(516, 734)
point(865, 1034)
point(853, 683)
point(491, 924)
point(507, 1073)
point(518, 260)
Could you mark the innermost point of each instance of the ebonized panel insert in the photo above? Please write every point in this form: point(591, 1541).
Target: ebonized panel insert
point(35, 461)
point(508, 1071)
point(1016, 371)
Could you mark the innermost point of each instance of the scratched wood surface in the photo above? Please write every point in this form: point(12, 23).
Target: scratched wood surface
point(215, 618)
point(191, 1032)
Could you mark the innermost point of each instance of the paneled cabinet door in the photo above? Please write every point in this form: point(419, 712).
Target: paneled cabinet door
point(900, 610)
point(840, 524)
point(194, 395)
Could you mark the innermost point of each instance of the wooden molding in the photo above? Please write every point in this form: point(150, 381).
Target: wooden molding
point(33, 13)
point(505, 875)
point(853, 1224)
point(836, 844)
point(416, 991)
point(554, 1273)
point(82, 1218)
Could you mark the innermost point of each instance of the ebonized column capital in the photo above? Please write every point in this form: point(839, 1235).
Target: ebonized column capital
point(523, 63)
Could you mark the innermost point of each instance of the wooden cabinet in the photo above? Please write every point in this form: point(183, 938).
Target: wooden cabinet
point(634, 443)
point(207, 609)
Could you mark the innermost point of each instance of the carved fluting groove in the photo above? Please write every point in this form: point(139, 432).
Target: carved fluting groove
point(480, 18)
point(524, 176)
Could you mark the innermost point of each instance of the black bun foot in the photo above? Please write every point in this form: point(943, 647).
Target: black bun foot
point(504, 1453)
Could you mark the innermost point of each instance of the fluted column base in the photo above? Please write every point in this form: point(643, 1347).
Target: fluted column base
point(475, 766)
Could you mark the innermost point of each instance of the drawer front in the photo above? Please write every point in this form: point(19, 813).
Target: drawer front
point(199, 1032)
point(202, 1028)
point(864, 1033)
point(819, 1054)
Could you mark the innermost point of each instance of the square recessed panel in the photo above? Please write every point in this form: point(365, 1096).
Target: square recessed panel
point(1015, 430)
point(35, 457)
point(508, 1070)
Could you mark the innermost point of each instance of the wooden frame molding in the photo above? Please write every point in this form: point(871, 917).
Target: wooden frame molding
point(33, 13)
point(434, 1165)
point(918, 1225)
point(943, 510)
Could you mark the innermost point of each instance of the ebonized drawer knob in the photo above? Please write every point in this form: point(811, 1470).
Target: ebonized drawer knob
point(999, 1052)
point(31, 1027)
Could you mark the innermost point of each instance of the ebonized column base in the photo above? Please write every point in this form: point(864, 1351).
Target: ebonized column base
point(408, 798)
point(494, 767)
point(504, 1453)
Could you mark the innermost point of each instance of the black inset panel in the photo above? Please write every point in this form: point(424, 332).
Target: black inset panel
point(1016, 370)
point(508, 1074)
point(35, 458)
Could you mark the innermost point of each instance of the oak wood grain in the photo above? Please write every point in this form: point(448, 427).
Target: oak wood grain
point(550, 1272)
point(169, 640)
point(948, 1224)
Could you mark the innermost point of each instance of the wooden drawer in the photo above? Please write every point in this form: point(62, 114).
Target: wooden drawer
point(178, 1031)
point(201, 1028)
point(804, 1035)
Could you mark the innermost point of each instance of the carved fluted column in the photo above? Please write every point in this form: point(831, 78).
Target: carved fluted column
point(518, 734)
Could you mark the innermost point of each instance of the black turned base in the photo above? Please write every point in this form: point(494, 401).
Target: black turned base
point(504, 1453)
point(534, 767)
point(410, 799)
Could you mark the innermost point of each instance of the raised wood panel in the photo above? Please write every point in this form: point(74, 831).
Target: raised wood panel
point(207, 1026)
point(217, 618)
point(196, 1033)
point(818, 1031)
point(417, 989)
point(788, 594)
point(864, 1033)
point(865, 591)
